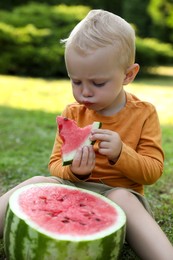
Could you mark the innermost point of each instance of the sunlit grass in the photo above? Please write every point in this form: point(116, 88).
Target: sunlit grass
point(35, 94)
point(159, 95)
point(54, 95)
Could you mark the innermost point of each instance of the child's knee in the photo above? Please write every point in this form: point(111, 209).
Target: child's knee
point(41, 179)
point(121, 196)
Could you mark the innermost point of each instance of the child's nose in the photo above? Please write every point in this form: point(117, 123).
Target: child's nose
point(86, 91)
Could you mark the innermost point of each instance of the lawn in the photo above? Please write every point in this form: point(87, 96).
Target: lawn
point(28, 108)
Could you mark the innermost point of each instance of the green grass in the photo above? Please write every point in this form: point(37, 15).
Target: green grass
point(28, 108)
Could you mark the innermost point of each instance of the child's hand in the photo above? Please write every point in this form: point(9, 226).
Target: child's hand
point(110, 143)
point(84, 161)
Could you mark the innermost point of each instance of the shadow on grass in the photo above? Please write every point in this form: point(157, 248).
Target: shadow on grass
point(155, 80)
point(160, 73)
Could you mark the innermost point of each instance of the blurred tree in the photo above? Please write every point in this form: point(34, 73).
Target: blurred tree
point(161, 13)
point(113, 6)
point(30, 35)
point(136, 13)
point(152, 18)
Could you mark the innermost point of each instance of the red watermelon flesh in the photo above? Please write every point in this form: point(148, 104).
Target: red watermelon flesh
point(73, 137)
point(64, 210)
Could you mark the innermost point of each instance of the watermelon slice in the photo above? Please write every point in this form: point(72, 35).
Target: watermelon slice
point(53, 221)
point(73, 137)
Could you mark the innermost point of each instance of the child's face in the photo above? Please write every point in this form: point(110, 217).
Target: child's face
point(97, 81)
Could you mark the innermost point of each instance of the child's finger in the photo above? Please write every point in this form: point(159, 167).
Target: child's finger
point(77, 159)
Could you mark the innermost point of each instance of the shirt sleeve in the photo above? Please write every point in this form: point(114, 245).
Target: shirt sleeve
point(144, 165)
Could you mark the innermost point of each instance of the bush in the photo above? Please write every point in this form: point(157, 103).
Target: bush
point(30, 41)
point(151, 52)
point(30, 38)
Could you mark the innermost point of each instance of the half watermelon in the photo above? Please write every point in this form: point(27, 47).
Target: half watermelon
point(57, 222)
point(73, 137)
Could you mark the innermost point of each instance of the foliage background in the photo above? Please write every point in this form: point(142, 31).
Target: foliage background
point(30, 33)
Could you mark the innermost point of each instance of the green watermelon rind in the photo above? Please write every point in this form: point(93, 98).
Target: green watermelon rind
point(23, 238)
point(68, 158)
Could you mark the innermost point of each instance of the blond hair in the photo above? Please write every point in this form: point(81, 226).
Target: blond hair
point(101, 28)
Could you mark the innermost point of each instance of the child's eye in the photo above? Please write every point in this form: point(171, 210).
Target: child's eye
point(99, 84)
point(76, 82)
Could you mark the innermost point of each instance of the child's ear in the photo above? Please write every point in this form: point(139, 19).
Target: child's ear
point(131, 73)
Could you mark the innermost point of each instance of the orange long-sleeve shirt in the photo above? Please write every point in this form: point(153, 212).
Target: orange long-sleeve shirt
point(141, 159)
